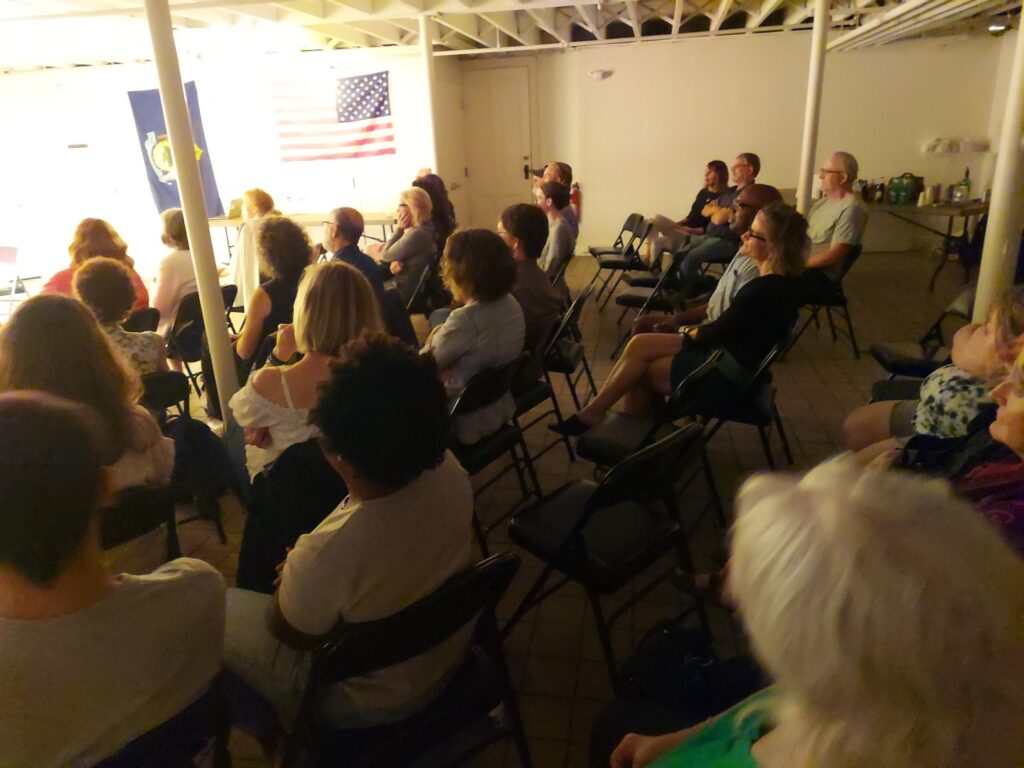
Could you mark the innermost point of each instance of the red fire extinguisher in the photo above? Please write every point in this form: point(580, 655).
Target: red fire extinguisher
point(576, 200)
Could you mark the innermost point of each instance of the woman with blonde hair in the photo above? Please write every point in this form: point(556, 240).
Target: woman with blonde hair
point(176, 277)
point(55, 345)
point(95, 237)
point(889, 615)
point(246, 268)
point(334, 304)
point(413, 246)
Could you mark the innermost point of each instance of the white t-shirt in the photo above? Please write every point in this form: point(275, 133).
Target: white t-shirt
point(75, 689)
point(836, 220)
point(175, 280)
point(370, 559)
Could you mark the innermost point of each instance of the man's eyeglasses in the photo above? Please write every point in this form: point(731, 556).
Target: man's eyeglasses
point(829, 170)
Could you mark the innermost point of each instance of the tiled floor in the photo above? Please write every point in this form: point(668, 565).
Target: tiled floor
point(554, 655)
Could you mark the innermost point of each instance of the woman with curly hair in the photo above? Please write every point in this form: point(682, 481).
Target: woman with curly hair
point(54, 344)
point(95, 237)
point(105, 286)
point(486, 331)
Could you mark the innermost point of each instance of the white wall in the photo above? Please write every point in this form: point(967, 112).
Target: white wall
point(640, 139)
point(47, 187)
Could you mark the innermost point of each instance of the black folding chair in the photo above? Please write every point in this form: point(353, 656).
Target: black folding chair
point(200, 729)
point(185, 339)
point(137, 511)
point(146, 319)
point(565, 354)
point(645, 300)
point(930, 352)
point(419, 302)
point(833, 299)
point(625, 235)
point(619, 263)
point(460, 722)
point(486, 388)
point(163, 390)
point(532, 384)
point(603, 536)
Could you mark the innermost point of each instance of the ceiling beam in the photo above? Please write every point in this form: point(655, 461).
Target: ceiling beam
point(634, 18)
point(721, 14)
point(768, 7)
point(546, 20)
point(591, 20)
point(380, 29)
point(344, 33)
point(466, 24)
point(799, 13)
point(512, 24)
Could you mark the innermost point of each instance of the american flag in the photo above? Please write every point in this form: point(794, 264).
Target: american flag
point(334, 119)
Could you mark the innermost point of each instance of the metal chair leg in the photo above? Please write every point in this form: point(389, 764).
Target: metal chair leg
point(604, 635)
point(622, 343)
point(531, 472)
point(709, 478)
point(831, 323)
point(849, 328)
point(590, 380)
point(572, 391)
point(558, 415)
point(481, 538)
point(607, 298)
point(767, 445)
point(782, 436)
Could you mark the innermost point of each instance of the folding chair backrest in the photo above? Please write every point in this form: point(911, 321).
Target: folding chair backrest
point(487, 386)
point(418, 294)
point(177, 741)
point(850, 259)
point(137, 510)
point(228, 294)
point(140, 320)
point(359, 649)
point(186, 335)
point(640, 234)
point(165, 389)
point(570, 319)
point(647, 472)
point(628, 229)
point(538, 336)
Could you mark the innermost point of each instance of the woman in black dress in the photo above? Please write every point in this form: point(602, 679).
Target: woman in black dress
point(759, 317)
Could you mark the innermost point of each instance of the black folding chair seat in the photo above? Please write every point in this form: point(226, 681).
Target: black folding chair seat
point(618, 436)
point(644, 279)
point(145, 319)
point(643, 298)
point(162, 390)
point(478, 456)
point(137, 511)
point(531, 395)
point(909, 359)
point(616, 261)
point(895, 389)
point(621, 540)
point(565, 357)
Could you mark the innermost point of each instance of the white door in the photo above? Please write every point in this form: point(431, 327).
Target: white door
point(497, 111)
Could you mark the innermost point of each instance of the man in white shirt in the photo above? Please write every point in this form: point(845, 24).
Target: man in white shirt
point(89, 661)
point(404, 529)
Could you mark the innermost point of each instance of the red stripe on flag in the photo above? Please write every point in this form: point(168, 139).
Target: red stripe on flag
point(338, 131)
point(342, 155)
point(355, 143)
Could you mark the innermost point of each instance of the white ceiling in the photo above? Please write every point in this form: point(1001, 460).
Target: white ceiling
point(61, 33)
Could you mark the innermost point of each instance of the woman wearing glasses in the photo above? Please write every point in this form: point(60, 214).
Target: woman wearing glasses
point(759, 317)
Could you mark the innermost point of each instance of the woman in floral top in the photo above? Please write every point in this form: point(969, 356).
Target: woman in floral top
point(952, 396)
point(105, 286)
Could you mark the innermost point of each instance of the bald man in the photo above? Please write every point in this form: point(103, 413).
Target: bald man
point(341, 238)
point(835, 225)
point(741, 270)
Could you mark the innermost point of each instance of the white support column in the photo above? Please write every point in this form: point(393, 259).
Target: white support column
point(190, 186)
point(812, 110)
point(427, 51)
point(1006, 210)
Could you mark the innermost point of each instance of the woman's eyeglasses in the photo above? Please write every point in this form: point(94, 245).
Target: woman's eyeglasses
point(751, 233)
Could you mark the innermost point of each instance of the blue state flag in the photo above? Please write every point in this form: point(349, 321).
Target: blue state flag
point(156, 150)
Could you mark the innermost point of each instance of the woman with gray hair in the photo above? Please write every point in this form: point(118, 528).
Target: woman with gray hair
point(889, 615)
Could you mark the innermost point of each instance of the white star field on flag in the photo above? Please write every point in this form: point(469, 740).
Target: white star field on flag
point(363, 98)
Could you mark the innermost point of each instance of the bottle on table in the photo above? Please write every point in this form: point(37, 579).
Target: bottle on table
point(962, 193)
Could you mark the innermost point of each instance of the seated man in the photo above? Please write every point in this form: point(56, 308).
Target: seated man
point(835, 225)
point(719, 243)
point(524, 228)
point(341, 238)
point(553, 198)
point(89, 661)
point(403, 530)
point(561, 173)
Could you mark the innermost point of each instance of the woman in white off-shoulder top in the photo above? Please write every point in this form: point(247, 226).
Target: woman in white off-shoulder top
point(334, 304)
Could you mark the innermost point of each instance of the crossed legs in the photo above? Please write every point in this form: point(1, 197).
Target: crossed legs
point(640, 376)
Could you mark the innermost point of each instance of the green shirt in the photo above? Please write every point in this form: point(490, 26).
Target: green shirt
point(727, 742)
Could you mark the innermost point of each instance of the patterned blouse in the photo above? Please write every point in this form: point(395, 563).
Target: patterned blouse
point(143, 351)
point(950, 399)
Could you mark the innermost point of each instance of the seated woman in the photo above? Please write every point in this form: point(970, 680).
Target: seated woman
point(102, 656)
point(442, 211)
point(177, 276)
point(716, 181)
point(105, 286)
point(553, 198)
point(413, 247)
point(487, 331)
point(287, 251)
point(54, 344)
point(95, 237)
point(760, 316)
point(952, 395)
point(334, 304)
point(247, 269)
point(910, 608)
